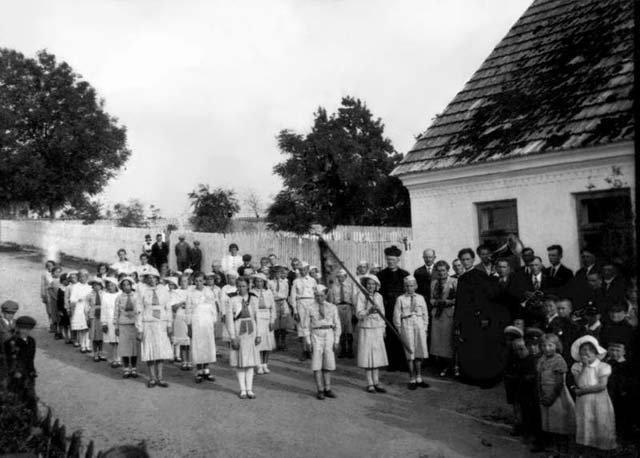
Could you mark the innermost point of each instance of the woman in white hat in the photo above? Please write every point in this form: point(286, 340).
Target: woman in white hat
point(154, 328)
point(78, 304)
point(266, 318)
point(595, 419)
point(201, 316)
point(372, 354)
point(109, 336)
point(243, 330)
point(127, 308)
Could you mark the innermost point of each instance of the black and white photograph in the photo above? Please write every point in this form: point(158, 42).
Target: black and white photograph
point(319, 228)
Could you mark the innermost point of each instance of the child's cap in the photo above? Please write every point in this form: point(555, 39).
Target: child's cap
point(614, 344)
point(513, 332)
point(25, 322)
point(533, 335)
point(618, 307)
point(10, 306)
point(246, 257)
point(591, 310)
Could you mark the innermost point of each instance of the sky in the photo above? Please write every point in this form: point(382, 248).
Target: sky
point(204, 87)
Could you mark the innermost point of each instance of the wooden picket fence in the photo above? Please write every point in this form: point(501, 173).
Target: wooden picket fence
point(100, 243)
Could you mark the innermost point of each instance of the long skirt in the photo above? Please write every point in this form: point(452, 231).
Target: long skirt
point(345, 311)
point(203, 340)
point(180, 329)
point(559, 417)
point(155, 344)
point(415, 336)
point(283, 317)
point(79, 317)
point(247, 355)
point(303, 310)
point(268, 341)
point(442, 333)
point(110, 336)
point(128, 343)
point(323, 357)
point(371, 351)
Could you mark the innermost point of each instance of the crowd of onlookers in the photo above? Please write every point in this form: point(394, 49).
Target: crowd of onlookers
point(564, 343)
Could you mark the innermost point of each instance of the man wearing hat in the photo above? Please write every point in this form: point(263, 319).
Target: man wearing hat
point(342, 294)
point(20, 351)
point(391, 286)
point(7, 329)
point(182, 250)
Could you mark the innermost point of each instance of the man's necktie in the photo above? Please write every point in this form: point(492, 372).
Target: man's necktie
point(321, 311)
point(342, 293)
point(413, 303)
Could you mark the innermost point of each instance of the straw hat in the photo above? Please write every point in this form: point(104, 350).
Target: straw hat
point(370, 277)
point(93, 280)
point(173, 281)
point(260, 276)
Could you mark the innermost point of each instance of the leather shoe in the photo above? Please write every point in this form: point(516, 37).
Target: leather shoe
point(379, 389)
point(329, 394)
point(413, 386)
point(320, 395)
point(162, 383)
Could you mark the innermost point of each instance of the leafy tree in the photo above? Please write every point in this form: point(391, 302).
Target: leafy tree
point(130, 214)
point(212, 210)
point(56, 140)
point(338, 173)
point(89, 211)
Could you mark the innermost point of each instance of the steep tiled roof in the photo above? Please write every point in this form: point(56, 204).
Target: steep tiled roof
point(561, 79)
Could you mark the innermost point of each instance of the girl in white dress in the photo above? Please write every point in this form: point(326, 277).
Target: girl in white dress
point(242, 327)
point(595, 418)
point(180, 338)
point(266, 318)
point(411, 319)
point(372, 354)
point(153, 324)
point(226, 293)
point(123, 265)
point(78, 296)
point(108, 312)
point(201, 316)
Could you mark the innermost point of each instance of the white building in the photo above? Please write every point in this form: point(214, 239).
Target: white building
point(539, 142)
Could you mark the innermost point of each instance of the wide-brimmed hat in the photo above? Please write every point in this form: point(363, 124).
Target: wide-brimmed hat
point(110, 280)
point(513, 332)
point(319, 289)
point(260, 276)
point(153, 272)
point(370, 277)
point(575, 347)
point(173, 280)
point(93, 280)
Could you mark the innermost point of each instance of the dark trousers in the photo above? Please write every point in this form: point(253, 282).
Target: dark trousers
point(395, 352)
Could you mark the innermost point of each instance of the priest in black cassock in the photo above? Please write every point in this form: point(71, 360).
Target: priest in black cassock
point(391, 286)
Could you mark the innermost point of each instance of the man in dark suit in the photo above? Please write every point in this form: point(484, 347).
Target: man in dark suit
point(578, 289)
point(159, 252)
point(507, 293)
point(559, 275)
point(527, 258)
point(614, 286)
point(424, 274)
point(485, 265)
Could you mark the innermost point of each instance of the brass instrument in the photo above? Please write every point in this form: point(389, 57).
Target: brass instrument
point(512, 247)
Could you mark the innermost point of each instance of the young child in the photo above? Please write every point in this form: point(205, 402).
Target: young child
point(94, 301)
point(63, 313)
point(322, 334)
point(342, 295)
point(179, 290)
point(372, 354)
point(52, 299)
point(45, 280)
point(557, 410)
point(124, 319)
point(79, 311)
point(108, 330)
point(592, 325)
point(20, 352)
point(280, 289)
point(527, 393)
point(595, 418)
point(512, 374)
point(411, 319)
point(266, 318)
point(228, 291)
point(243, 330)
point(620, 387)
point(201, 311)
point(566, 329)
point(72, 279)
point(7, 329)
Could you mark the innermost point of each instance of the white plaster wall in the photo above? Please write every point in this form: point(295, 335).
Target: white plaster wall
point(444, 214)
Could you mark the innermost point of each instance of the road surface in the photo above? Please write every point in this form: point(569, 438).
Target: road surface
point(447, 420)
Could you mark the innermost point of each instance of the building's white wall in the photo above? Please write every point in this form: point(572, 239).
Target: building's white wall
point(444, 215)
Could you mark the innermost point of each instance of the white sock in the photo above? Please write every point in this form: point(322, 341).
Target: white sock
point(241, 380)
point(250, 379)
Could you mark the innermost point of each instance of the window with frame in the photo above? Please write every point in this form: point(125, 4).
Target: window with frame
point(496, 221)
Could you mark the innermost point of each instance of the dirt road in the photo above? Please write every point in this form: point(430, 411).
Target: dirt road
point(447, 420)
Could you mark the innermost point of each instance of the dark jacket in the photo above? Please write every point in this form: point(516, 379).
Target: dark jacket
point(615, 293)
point(423, 278)
point(159, 254)
point(560, 280)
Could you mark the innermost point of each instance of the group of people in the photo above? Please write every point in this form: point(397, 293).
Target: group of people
point(498, 317)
